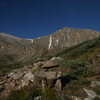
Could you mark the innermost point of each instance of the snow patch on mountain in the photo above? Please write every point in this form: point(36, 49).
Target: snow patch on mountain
point(30, 40)
point(50, 43)
point(56, 42)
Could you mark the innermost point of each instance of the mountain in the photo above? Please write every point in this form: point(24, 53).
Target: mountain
point(13, 49)
point(73, 75)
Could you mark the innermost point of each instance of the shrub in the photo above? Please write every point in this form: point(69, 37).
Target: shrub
point(97, 98)
point(84, 82)
point(49, 94)
point(26, 93)
point(79, 67)
point(97, 90)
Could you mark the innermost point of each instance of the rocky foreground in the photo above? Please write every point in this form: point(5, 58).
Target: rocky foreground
point(47, 74)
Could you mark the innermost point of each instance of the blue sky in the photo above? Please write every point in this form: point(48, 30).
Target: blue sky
point(35, 18)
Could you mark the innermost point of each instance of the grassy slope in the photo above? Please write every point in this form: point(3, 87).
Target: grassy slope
point(84, 61)
point(81, 49)
point(83, 58)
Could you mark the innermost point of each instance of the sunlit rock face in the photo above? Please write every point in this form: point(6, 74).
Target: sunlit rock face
point(16, 49)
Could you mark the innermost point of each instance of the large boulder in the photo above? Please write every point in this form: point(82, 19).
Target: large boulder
point(91, 94)
point(49, 75)
point(95, 83)
point(50, 64)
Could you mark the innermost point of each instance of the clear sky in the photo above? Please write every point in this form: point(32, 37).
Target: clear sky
point(35, 18)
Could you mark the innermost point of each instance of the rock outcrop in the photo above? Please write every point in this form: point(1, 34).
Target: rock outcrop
point(50, 64)
point(18, 78)
point(50, 76)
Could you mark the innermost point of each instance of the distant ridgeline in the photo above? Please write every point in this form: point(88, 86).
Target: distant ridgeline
point(19, 51)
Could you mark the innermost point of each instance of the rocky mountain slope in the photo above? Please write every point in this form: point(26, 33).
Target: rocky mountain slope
point(13, 49)
point(73, 75)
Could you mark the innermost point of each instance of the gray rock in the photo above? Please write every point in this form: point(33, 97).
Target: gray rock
point(55, 58)
point(58, 85)
point(40, 73)
point(16, 75)
point(88, 99)
point(38, 64)
point(37, 98)
point(28, 77)
point(91, 94)
point(59, 74)
point(50, 75)
point(44, 84)
point(76, 98)
point(95, 83)
point(22, 84)
point(50, 64)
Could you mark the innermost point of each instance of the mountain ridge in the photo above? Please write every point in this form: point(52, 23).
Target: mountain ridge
point(3, 33)
point(75, 69)
point(26, 49)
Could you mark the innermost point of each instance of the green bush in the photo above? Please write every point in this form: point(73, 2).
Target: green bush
point(84, 82)
point(97, 90)
point(79, 67)
point(96, 98)
point(26, 93)
point(49, 94)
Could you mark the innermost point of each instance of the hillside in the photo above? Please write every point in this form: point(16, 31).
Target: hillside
point(72, 74)
point(13, 49)
point(17, 52)
point(87, 47)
